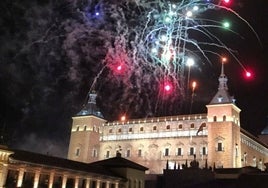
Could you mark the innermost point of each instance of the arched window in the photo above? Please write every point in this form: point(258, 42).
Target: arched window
point(154, 128)
point(130, 129)
point(85, 128)
point(168, 126)
point(110, 130)
point(107, 154)
point(192, 125)
point(180, 126)
point(119, 130)
point(166, 152)
point(77, 128)
point(215, 118)
point(141, 128)
point(224, 118)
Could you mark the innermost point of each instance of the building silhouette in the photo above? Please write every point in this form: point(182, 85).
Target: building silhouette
point(215, 138)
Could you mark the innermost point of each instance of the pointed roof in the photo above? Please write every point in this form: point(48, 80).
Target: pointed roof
point(91, 107)
point(265, 131)
point(118, 162)
point(222, 96)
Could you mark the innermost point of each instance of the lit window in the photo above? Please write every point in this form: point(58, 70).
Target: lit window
point(236, 150)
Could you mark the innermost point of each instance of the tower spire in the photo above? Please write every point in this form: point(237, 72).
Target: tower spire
point(91, 107)
point(222, 96)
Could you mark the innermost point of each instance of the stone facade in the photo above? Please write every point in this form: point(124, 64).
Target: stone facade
point(215, 137)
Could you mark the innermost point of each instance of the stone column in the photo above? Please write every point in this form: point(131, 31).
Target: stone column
point(76, 183)
point(3, 175)
point(64, 181)
point(36, 179)
point(116, 184)
point(107, 184)
point(20, 177)
point(98, 184)
point(87, 182)
point(51, 179)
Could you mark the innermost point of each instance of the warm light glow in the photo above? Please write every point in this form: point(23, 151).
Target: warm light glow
point(194, 85)
point(224, 59)
point(123, 118)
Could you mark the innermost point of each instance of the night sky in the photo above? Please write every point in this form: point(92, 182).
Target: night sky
point(50, 56)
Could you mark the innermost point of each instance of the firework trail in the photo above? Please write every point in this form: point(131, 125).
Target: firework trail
point(151, 41)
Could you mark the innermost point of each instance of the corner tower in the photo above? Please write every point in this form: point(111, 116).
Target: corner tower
point(85, 133)
point(224, 142)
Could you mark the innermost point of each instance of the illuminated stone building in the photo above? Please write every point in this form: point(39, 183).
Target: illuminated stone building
point(215, 137)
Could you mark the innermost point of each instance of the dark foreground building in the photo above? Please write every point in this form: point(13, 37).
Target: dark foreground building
point(32, 170)
point(193, 177)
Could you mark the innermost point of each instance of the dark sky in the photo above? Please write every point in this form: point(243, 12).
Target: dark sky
point(50, 55)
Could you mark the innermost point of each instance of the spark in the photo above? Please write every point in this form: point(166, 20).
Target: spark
point(154, 39)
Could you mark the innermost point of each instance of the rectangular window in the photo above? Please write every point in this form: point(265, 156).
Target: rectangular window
point(107, 154)
point(220, 148)
point(191, 150)
point(179, 152)
point(77, 152)
point(204, 151)
point(94, 153)
point(166, 152)
point(139, 153)
point(128, 153)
